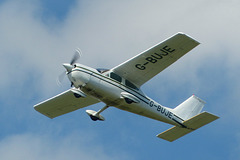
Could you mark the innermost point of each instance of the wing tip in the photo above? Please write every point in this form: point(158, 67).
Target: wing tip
point(184, 34)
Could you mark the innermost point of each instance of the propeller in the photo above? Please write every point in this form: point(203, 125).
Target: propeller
point(76, 56)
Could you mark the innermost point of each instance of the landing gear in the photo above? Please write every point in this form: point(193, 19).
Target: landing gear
point(77, 95)
point(96, 115)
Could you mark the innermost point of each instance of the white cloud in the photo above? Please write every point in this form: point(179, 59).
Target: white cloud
point(38, 147)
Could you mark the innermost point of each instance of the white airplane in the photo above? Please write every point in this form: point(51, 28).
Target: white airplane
point(120, 87)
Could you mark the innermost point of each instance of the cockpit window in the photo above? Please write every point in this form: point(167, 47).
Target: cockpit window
point(102, 70)
point(129, 84)
point(116, 77)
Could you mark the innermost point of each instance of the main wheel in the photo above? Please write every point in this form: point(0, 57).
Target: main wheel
point(77, 95)
point(94, 118)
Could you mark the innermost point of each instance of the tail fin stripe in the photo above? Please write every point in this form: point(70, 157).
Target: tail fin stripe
point(183, 126)
point(178, 117)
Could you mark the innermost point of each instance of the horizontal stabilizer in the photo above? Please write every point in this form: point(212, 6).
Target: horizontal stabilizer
point(200, 120)
point(191, 125)
point(174, 133)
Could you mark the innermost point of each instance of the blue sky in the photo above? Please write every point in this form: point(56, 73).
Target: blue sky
point(38, 36)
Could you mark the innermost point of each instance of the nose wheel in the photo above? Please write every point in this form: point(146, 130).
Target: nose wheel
point(96, 115)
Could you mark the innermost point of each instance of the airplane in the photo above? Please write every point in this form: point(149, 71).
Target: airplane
point(120, 87)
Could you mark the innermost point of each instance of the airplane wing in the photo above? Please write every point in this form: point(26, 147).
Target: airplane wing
point(64, 103)
point(149, 63)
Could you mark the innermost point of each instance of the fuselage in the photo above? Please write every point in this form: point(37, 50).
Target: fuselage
point(116, 91)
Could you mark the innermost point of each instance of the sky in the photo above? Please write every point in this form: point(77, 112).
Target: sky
point(37, 36)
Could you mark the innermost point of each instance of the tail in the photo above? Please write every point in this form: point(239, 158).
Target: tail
point(189, 108)
point(189, 111)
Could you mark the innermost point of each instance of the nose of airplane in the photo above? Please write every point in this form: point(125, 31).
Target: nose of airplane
point(68, 66)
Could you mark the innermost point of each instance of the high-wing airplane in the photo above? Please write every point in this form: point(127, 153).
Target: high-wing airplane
point(120, 87)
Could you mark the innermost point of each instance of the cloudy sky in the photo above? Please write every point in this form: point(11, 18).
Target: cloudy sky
point(37, 36)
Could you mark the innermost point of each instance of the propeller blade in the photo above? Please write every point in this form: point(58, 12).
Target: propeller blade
point(60, 78)
point(76, 56)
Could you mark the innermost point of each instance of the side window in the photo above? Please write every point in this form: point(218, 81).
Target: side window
point(116, 77)
point(129, 84)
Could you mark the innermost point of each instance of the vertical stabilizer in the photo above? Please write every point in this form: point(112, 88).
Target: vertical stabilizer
point(189, 108)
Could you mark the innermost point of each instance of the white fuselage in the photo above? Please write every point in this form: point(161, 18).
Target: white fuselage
point(114, 91)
